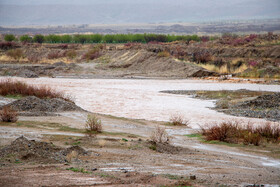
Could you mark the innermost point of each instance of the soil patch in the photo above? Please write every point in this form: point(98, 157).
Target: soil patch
point(167, 148)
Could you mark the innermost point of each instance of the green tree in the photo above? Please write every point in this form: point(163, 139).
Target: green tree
point(108, 38)
point(39, 38)
point(66, 39)
point(25, 38)
point(9, 37)
point(52, 38)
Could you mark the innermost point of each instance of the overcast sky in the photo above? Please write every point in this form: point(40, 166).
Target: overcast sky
point(63, 12)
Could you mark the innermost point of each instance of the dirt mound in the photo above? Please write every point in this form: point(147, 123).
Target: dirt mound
point(265, 106)
point(149, 63)
point(264, 101)
point(37, 105)
point(30, 150)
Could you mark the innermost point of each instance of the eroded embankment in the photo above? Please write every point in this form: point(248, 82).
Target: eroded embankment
point(254, 104)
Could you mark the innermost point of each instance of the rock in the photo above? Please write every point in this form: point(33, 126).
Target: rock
point(59, 64)
point(193, 177)
point(28, 74)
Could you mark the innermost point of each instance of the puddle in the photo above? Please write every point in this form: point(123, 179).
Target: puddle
point(124, 169)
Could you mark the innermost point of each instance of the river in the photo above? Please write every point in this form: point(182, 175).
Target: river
point(141, 99)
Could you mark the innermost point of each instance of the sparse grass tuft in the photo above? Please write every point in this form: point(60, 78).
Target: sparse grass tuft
point(8, 115)
point(93, 124)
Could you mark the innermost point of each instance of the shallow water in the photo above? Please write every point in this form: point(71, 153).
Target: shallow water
point(141, 99)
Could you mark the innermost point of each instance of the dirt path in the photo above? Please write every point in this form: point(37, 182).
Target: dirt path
point(210, 163)
point(46, 176)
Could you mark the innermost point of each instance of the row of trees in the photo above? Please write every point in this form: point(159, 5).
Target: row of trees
point(99, 38)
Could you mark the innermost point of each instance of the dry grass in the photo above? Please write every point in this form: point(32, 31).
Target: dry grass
point(159, 135)
point(15, 53)
point(8, 115)
point(223, 69)
point(71, 54)
point(93, 124)
point(242, 68)
point(163, 54)
point(102, 143)
point(233, 132)
point(9, 87)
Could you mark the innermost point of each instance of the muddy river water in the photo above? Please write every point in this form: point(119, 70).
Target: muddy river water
point(141, 98)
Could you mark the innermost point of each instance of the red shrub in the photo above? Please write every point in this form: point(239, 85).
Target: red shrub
point(7, 45)
point(8, 115)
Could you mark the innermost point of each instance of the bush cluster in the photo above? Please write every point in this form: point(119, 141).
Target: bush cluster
point(202, 57)
point(9, 87)
point(233, 132)
point(7, 45)
point(235, 40)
